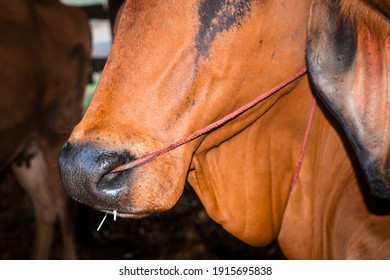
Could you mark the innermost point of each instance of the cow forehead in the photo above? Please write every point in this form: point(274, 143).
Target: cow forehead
point(216, 17)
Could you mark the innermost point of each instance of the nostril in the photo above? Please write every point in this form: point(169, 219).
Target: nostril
point(113, 183)
point(108, 160)
point(85, 173)
point(91, 160)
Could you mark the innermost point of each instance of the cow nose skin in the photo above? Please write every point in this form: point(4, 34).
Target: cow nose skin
point(85, 174)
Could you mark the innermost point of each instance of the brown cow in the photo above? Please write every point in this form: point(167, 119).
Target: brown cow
point(45, 48)
point(177, 66)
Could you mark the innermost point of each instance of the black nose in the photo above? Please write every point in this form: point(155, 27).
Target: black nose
point(85, 174)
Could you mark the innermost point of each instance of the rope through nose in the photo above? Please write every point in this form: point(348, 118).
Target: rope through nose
point(208, 128)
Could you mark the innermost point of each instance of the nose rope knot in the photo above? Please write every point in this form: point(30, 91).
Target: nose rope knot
point(208, 128)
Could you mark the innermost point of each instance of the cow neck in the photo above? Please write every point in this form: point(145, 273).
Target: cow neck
point(151, 156)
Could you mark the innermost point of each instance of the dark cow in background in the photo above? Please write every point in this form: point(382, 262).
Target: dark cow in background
point(44, 56)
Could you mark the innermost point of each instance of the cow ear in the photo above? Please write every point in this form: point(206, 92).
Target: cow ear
point(348, 59)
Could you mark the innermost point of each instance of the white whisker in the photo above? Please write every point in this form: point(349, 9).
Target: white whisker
point(101, 223)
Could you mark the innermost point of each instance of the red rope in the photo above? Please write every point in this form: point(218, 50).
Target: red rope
point(214, 125)
point(304, 144)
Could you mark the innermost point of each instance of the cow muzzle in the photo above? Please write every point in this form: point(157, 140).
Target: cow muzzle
point(85, 174)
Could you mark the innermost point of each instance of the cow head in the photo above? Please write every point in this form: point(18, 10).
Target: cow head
point(348, 54)
point(175, 67)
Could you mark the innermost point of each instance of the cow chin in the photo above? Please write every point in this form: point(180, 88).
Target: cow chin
point(134, 193)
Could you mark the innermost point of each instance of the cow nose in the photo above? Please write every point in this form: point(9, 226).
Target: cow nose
point(85, 174)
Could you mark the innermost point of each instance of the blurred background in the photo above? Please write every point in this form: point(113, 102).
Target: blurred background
point(186, 232)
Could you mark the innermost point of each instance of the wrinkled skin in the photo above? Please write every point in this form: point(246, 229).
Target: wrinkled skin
point(175, 68)
point(44, 50)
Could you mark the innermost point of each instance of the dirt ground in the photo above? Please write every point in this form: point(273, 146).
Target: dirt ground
point(186, 232)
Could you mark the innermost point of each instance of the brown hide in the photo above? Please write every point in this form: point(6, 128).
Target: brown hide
point(44, 56)
point(165, 79)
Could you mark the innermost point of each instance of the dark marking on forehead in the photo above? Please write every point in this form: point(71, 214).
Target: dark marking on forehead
point(216, 16)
